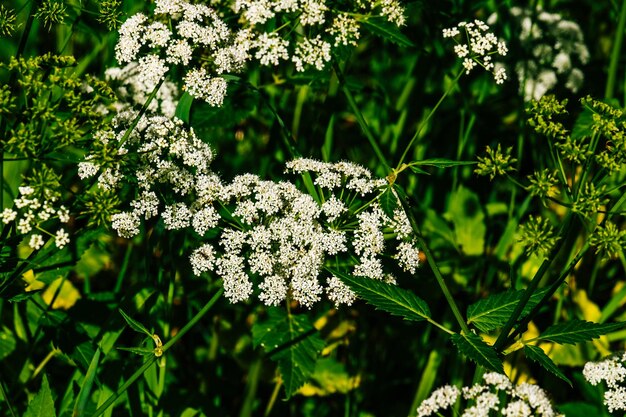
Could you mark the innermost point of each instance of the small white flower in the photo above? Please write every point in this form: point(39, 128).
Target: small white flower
point(36, 241)
point(61, 238)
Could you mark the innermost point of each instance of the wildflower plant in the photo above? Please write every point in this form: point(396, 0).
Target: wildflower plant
point(497, 395)
point(242, 158)
point(612, 372)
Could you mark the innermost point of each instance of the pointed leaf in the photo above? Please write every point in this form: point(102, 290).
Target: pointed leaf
point(575, 331)
point(137, 350)
point(536, 354)
point(42, 404)
point(183, 108)
point(388, 202)
point(494, 311)
point(387, 297)
point(418, 170)
point(442, 162)
point(293, 342)
point(85, 389)
point(134, 324)
point(382, 27)
point(475, 348)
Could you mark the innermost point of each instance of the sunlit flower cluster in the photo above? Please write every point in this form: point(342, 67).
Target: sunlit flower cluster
point(555, 51)
point(34, 214)
point(476, 47)
point(611, 371)
point(497, 395)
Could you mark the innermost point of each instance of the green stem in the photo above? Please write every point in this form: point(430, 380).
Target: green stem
point(359, 117)
point(534, 283)
point(433, 266)
point(430, 115)
point(615, 54)
point(139, 372)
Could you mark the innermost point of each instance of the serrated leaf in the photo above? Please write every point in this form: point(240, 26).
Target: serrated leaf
point(387, 297)
point(536, 354)
point(42, 405)
point(293, 342)
point(494, 311)
point(134, 324)
point(476, 349)
point(183, 109)
point(576, 331)
point(380, 26)
point(441, 163)
point(388, 202)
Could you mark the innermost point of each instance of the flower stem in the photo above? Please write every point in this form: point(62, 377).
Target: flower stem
point(615, 54)
point(430, 115)
point(359, 117)
point(139, 372)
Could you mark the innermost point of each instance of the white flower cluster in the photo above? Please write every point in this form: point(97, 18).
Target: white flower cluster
point(155, 46)
point(523, 400)
point(133, 90)
point(168, 155)
point(555, 48)
point(282, 237)
point(180, 33)
point(477, 47)
point(612, 371)
point(32, 212)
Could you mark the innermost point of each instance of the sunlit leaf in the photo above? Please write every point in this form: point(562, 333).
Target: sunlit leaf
point(293, 342)
point(387, 297)
point(576, 331)
point(475, 348)
point(536, 354)
point(495, 310)
point(42, 404)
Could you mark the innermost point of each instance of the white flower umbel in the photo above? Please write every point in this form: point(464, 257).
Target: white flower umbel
point(611, 371)
point(497, 396)
point(553, 48)
point(476, 46)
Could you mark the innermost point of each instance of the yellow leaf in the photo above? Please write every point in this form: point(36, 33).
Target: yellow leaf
point(330, 377)
point(67, 297)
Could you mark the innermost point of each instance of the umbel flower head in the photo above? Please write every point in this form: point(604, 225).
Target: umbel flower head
point(196, 38)
point(611, 371)
point(476, 46)
point(555, 52)
point(281, 237)
point(497, 395)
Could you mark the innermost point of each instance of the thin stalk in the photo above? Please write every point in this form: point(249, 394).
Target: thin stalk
point(430, 115)
point(555, 286)
point(359, 117)
point(139, 372)
point(4, 395)
point(534, 283)
point(438, 276)
point(615, 54)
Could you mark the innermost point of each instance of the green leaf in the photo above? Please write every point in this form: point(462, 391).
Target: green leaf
point(575, 331)
point(388, 202)
point(293, 342)
point(385, 29)
point(536, 354)
point(183, 109)
point(442, 162)
point(135, 325)
point(7, 342)
point(85, 389)
point(328, 139)
point(494, 311)
point(418, 170)
point(387, 297)
point(465, 212)
point(475, 348)
point(137, 350)
point(42, 405)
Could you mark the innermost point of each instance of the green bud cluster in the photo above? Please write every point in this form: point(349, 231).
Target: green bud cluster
point(495, 162)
